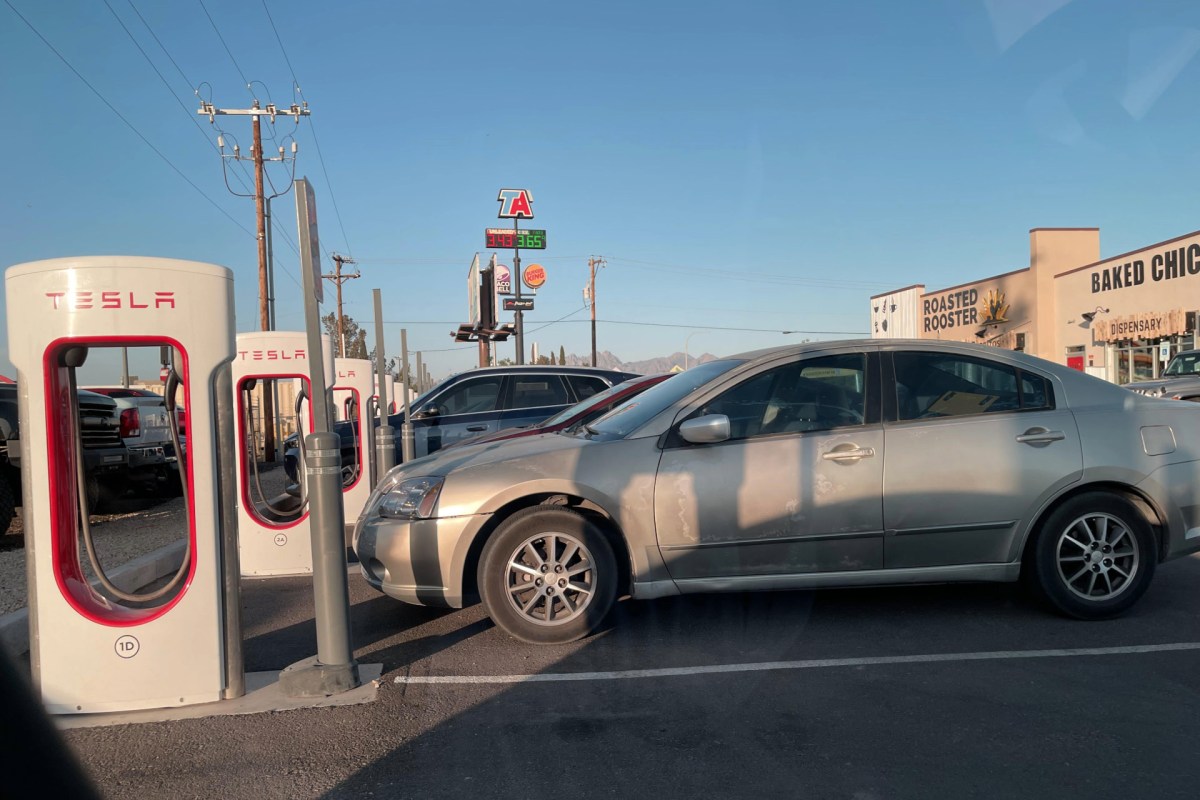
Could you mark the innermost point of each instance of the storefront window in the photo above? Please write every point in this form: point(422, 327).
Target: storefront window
point(1123, 366)
point(1142, 360)
point(1143, 363)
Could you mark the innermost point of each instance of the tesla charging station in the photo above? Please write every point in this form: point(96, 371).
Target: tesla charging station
point(352, 396)
point(96, 648)
point(274, 531)
point(389, 383)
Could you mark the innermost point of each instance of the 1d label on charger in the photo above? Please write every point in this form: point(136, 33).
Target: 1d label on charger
point(127, 646)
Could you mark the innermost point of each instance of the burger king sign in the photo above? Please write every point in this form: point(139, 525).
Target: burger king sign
point(534, 276)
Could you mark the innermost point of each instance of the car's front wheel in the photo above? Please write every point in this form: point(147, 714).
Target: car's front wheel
point(1094, 556)
point(548, 575)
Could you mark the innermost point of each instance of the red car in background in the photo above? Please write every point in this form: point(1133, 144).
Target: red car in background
point(581, 413)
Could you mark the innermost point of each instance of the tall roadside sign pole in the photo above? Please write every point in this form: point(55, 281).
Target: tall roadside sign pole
point(517, 204)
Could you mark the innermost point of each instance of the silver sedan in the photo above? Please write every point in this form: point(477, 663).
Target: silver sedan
point(823, 464)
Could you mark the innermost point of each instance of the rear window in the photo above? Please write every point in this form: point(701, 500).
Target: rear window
point(586, 385)
point(535, 391)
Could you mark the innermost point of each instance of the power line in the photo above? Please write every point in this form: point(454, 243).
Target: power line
point(229, 52)
point(649, 324)
point(241, 176)
point(244, 175)
point(312, 126)
point(560, 319)
point(271, 19)
point(752, 277)
point(121, 116)
point(191, 117)
point(161, 45)
point(724, 328)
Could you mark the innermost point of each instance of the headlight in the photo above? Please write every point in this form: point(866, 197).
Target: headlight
point(1162, 390)
point(412, 498)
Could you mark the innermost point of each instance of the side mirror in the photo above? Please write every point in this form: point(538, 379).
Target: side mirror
point(705, 430)
point(427, 413)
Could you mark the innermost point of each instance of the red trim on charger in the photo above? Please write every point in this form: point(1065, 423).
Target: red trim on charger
point(244, 489)
point(64, 507)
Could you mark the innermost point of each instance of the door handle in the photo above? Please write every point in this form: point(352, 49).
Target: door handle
point(477, 427)
point(853, 454)
point(1040, 436)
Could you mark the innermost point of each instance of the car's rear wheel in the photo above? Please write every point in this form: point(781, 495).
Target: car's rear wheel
point(548, 575)
point(1094, 556)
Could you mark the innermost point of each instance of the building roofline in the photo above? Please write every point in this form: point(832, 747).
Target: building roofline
point(1035, 230)
point(980, 280)
point(1131, 252)
point(897, 291)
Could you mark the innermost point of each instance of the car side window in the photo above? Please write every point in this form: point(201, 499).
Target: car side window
point(586, 385)
point(471, 396)
point(1035, 391)
point(535, 391)
point(950, 385)
point(814, 394)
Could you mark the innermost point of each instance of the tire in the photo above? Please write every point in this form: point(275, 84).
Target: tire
point(100, 495)
point(552, 611)
point(8, 504)
point(1093, 558)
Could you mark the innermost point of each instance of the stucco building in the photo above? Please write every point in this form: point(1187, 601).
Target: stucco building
point(1120, 318)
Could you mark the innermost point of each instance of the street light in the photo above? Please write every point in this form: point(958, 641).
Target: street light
point(685, 346)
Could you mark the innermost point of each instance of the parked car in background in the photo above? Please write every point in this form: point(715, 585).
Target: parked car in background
point(481, 401)
point(1179, 381)
point(572, 417)
point(145, 430)
point(105, 458)
point(822, 464)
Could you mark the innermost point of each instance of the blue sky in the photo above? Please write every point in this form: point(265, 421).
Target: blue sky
point(758, 165)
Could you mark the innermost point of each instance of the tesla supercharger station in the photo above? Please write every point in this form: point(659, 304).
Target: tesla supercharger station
point(352, 390)
point(274, 537)
point(389, 382)
point(92, 648)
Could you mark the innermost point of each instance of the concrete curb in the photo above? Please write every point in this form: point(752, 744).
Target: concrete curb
point(142, 571)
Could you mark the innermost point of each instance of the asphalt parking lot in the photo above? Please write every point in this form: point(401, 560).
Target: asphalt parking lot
point(1013, 723)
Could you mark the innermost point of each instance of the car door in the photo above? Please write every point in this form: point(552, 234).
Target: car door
point(974, 446)
point(466, 408)
point(533, 397)
point(796, 488)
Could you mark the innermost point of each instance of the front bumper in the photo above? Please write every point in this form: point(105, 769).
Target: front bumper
point(416, 561)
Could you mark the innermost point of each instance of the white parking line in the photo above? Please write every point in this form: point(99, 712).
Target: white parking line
point(820, 663)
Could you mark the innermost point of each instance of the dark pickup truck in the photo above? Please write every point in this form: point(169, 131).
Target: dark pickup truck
point(105, 458)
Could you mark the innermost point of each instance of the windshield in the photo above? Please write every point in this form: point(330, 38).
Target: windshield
point(637, 411)
point(598, 399)
point(1184, 364)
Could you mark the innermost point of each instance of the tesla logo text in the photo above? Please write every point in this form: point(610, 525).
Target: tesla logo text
point(515, 204)
point(82, 301)
point(271, 355)
point(347, 373)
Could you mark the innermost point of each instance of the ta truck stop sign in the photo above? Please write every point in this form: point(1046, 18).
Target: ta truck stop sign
point(515, 204)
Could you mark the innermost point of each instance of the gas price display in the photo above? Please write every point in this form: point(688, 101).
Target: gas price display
point(508, 239)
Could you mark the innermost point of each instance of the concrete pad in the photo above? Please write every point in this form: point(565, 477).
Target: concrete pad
point(263, 695)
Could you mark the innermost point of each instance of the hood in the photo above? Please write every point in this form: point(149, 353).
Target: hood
point(470, 455)
point(1164, 386)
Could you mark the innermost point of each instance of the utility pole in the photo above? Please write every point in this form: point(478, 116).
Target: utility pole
point(256, 112)
point(593, 263)
point(338, 278)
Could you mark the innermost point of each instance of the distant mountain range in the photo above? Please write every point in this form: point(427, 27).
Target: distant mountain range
point(647, 366)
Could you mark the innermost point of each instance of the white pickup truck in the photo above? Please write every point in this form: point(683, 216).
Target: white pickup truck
point(146, 432)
